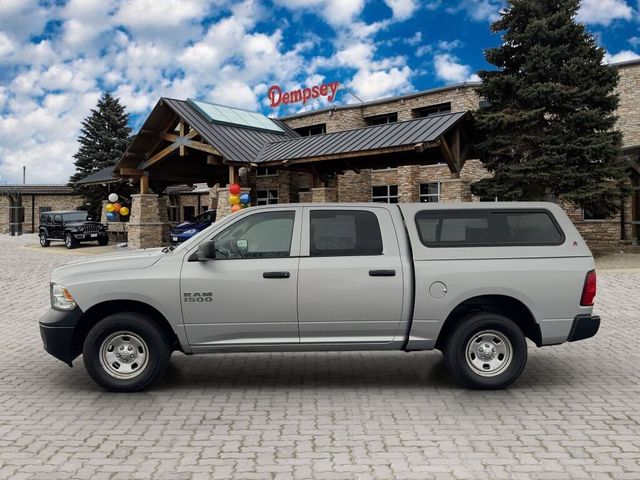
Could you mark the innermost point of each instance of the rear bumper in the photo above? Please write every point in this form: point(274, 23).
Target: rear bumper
point(56, 330)
point(584, 326)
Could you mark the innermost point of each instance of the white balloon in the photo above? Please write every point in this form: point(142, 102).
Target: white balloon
point(113, 197)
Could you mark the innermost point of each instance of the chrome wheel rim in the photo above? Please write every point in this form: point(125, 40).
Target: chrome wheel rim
point(67, 241)
point(124, 355)
point(42, 239)
point(489, 353)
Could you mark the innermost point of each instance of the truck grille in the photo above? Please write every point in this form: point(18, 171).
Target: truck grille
point(91, 228)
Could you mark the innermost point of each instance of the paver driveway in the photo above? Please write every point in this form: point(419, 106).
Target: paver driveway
point(575, 412)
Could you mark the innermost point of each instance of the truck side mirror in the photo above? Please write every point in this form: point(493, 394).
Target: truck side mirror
point(206, 251)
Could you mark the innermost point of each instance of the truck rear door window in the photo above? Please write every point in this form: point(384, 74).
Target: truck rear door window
point(344, 232)
point(485, 228)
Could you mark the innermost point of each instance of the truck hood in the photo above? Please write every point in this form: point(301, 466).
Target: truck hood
point(126, 260)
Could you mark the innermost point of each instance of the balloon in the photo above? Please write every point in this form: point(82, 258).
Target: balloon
point(113, 197)
point(109, 207)
point(116, 207)
point(124, 211)
point(234, 189)
point(245, 198)
point(234, 199)
point(235, 208)
point(111, 216)
point(244, 205)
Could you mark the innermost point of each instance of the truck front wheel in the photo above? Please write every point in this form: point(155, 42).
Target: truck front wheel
point(125, 352)
point(486, 351)
point(70, 241)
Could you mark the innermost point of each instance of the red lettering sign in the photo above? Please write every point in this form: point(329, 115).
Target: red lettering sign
point(277, 96)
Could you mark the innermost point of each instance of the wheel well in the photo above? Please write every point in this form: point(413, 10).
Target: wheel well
point(502, 304)
point(96, 313)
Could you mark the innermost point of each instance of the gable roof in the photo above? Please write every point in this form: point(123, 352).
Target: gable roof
point(104, 175)
point(390, 135)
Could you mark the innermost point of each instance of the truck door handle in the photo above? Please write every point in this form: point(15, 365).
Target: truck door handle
point(382, 273)
point(276, 275)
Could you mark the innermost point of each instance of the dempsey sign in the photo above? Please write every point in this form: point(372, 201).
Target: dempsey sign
point(276, 96)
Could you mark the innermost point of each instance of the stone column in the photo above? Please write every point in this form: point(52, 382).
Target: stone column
point(408, 186)
point(355, 187)
point(455, 190)
point(103, 212)
point(223, 208)
point(305, 197)
point(324, 194)
point(149, 223)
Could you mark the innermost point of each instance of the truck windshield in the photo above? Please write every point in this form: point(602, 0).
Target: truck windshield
point(75, 217)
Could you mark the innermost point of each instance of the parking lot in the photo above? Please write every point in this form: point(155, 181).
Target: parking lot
point(574, 413)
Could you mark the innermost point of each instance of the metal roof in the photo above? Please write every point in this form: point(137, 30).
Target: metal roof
point(390, 135)
point(235, 143)
point(104, 175)
point(34, 189)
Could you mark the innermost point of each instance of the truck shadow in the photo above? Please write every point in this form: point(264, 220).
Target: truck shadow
point(306, 370)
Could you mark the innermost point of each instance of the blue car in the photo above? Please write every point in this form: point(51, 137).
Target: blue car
point(186, 230)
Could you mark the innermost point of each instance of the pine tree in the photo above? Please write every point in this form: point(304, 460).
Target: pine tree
point(104, 138)
point(549, 130)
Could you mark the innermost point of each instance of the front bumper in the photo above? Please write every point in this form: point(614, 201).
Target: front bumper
point(584, 326)
point(57, 329)
point(89, 236)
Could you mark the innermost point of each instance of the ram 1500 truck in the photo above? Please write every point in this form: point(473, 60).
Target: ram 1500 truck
point(474, 280)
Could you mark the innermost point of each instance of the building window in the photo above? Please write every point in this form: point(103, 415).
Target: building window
point(430, 192)
point(432, 110)
point(45, 209)
point(204, 208)
point(318, 129)
point(591, 214)
point(267, 197)
point(188, 213)
point(384, 194)
point(382, 119)
point(266, 172)
point(173, 209)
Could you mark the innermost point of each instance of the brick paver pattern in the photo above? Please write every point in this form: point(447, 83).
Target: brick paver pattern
point(574, 413)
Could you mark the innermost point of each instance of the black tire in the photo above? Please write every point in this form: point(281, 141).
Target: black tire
point(70, 241)
point(157, 349)
point(467, 336)
point(43, 240)
point(102, 241)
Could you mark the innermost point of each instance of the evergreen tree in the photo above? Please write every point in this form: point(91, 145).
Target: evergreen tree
point(104, 138)
point(549, 130)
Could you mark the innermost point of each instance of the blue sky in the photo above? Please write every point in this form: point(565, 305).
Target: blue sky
point(56, 56)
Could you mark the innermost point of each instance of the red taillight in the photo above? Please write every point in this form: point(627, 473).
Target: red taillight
point(589, 290)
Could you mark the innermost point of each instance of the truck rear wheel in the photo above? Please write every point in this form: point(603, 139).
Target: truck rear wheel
point(125, 352)
point(486, 351)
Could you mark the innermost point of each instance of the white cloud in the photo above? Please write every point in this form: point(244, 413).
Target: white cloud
point(6, 46)
point(623, 56)
point(371, 85)
point(402, 9)
point(478, 10)
point(449, 69)
point(158, 15)
point(339, 13)
point(603, 12)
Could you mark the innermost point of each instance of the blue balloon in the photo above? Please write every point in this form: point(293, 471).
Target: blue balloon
point(111, 216)
point(245, 198)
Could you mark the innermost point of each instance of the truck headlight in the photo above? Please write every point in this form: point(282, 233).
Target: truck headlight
point(61, 299)
point(81, 229)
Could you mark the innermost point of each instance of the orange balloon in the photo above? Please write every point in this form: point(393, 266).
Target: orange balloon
point(235, 208)
point(116, 207)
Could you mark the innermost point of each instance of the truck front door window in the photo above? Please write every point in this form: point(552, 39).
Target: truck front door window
point(263, 235)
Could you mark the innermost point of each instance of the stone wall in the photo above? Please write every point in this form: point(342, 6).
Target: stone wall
point(629, 108)
point(600, 234)
point(55, 202)
point(461, 98)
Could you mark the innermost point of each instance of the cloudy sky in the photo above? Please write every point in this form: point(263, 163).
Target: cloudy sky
point(56, 56)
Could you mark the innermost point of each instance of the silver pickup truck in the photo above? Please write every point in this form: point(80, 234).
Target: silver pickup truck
point(474, 280)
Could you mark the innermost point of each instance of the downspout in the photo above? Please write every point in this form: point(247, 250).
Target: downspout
point(33, 213)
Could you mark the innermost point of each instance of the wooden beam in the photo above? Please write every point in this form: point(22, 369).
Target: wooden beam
point(213, 160)
point(131, 172)
point(159, 156)
point(144, 184)
point(181, 130)
point(233, 174)
point(203, 147)
point(423, 146)
point(172, 137)
point(174, 118)
point(448, 156)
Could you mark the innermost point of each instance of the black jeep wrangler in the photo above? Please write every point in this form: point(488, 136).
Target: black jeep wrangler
point(71, 227)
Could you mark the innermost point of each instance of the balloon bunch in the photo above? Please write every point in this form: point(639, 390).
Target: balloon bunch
point(114, 208)
point(236, 200)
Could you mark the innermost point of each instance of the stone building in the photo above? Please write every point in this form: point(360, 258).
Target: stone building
point(28, 201)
